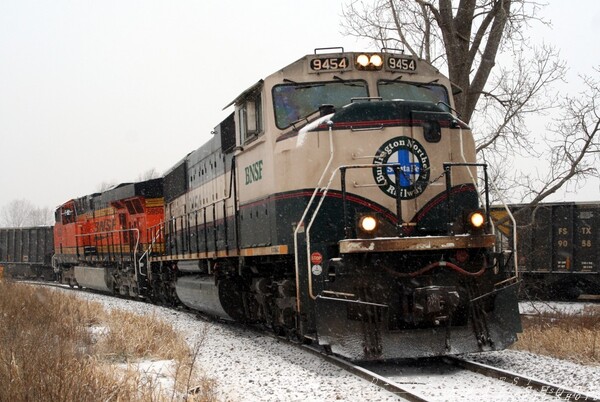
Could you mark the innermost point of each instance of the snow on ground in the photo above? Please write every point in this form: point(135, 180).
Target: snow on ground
point(253, 367)
point(539, 307)
point(577, 377)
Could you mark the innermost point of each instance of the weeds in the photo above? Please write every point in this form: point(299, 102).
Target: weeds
point(54, 346)
point(574, 337)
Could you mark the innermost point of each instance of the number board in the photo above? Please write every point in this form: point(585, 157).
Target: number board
point(405, 64)
point(323, 63)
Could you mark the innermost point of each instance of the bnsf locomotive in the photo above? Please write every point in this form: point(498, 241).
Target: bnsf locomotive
point(339, 203)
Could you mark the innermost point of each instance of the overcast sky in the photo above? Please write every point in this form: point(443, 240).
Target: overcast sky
point(102, 91)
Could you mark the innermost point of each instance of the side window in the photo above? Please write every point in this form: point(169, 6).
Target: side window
point(432, 131)
point(250, 118)
point(67, 215)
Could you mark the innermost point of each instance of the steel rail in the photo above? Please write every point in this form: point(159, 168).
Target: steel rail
point(368, 375)
point(509, 377)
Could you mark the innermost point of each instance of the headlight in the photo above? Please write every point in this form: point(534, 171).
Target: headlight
point(476, 220)
point(362, 60)
point(368, 223)
point(369, 62)
point(376, 60)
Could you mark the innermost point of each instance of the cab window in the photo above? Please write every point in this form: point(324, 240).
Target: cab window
point(391, 90)
point(295, 101)
point(250, 118)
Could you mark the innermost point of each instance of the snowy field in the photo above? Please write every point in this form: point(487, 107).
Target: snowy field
point(252, 367)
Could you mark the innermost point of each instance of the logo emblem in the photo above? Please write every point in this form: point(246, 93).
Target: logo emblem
point(412, 172)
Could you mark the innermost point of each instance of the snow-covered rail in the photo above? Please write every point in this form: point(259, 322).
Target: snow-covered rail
point(553, 390)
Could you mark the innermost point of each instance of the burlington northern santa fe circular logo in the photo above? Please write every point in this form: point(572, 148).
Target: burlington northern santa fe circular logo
point(412, 172)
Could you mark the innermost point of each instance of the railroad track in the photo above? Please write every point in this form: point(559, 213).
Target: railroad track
point(368, 375)
point(522, 381)
point(403, 385)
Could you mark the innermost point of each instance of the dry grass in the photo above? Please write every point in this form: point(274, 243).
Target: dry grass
point(574, 337)
point(54, 346)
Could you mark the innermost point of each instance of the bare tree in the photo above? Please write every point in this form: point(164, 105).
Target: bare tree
point(148, 175)
point(105, 185)
point(41, 217)
point(463, 36)
point(575, 147)
point(503, 77)
point(21, 213)
point(574, 150)
point(515, 94)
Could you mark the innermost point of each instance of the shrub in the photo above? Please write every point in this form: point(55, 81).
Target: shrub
point(51, 349)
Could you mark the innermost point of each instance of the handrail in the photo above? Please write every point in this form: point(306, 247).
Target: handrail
point(230, 195)
point(448, 172)
point(146, 253)
point(325, 190)
point(514, 229)
point(314, 215)
point(515, 257)
point(137, 242)
point(301, 221)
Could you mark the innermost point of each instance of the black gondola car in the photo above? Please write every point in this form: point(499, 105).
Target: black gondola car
point(27, 252)
point(558, 248)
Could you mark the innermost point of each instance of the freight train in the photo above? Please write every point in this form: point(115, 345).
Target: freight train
point(339, 203)
point(557, 248)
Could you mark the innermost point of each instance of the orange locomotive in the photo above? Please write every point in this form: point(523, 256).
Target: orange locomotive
point(101, 240)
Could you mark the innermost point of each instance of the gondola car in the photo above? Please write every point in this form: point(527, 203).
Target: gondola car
point(557, 248)
point(26, 253)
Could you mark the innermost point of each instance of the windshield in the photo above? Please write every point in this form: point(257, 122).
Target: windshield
point(390, 90)
point(297, 100)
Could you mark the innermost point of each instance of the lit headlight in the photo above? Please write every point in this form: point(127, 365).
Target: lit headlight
point(369, 62)
point(476, 219)
point(362, 60)
point(368, 223)
point(376, 60)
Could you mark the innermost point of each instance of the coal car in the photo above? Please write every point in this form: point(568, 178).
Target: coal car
point(26, 253)
point(558, 248)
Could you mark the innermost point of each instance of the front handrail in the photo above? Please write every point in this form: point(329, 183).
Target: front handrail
point(300, 223)
point(400, 224)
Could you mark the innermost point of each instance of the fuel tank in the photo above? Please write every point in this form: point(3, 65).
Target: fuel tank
point(217, 298)
point(94, 278)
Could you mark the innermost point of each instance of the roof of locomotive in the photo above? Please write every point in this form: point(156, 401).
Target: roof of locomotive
point(424, 68)
point(150, 189)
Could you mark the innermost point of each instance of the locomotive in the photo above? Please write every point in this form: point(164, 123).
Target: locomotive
point(339, 203)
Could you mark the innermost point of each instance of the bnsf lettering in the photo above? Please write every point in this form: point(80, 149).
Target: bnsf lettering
point(254, 172)
point(105, 226)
